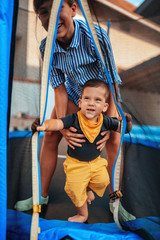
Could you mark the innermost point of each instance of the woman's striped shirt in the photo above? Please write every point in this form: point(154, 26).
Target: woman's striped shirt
point(79, 62)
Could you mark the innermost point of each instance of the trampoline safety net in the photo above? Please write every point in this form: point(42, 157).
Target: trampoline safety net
point(134, 33)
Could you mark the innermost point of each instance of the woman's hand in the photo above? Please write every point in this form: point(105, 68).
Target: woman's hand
point(128, 120)
point(101, 144)
point(35, 124)
point(73, 139)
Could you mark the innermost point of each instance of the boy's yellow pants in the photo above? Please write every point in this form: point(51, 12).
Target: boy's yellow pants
point(82, 174)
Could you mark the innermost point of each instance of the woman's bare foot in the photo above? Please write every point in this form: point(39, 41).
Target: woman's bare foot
point(91, 196)
point(78, 218)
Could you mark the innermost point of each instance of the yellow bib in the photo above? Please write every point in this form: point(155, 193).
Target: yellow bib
point(90, 129)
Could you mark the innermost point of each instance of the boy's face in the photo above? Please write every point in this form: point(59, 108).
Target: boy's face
point(93, 102)
point(65, 30)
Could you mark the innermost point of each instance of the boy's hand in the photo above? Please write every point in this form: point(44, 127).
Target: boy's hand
point(35, 124)
point(42, 128)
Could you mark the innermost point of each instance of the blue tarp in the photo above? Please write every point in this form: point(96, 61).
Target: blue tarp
point(19, 228)
point(145, 135)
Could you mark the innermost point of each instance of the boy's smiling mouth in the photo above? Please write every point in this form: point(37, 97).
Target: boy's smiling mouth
point(90, 109)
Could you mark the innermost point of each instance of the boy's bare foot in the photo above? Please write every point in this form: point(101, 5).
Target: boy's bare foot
point(91, 196)
point(78, 218)
point(82, 214)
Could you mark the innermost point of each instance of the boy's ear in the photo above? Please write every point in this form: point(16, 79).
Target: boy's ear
point(105, 107)
point(74, 8)
point(80, 100)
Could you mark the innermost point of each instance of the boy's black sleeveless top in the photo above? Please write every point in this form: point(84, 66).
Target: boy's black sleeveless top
point(88, 151)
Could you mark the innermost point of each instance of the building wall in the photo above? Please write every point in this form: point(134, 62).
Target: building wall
point(129, 50)
point(29, 35)
point(27, 62)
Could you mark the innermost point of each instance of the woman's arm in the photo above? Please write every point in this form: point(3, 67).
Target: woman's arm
point(61, 101)
point(112, 109)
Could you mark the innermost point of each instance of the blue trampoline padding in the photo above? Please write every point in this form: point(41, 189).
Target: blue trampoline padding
point(145, 135)
point(18, 227)
point(148, 227)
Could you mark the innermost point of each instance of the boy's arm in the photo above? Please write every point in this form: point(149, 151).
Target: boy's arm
point(51, 125)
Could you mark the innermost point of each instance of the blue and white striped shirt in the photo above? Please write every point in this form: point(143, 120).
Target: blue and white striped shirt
point(79, 62)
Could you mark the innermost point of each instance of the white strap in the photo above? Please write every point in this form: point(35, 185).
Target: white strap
point(44, 85)
point(47, 55)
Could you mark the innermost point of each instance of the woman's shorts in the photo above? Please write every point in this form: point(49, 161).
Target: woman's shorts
point(82, 174)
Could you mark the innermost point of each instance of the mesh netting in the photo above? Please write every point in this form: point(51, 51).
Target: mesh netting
point(134, 37)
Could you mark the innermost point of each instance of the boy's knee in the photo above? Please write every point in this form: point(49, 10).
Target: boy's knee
point(100, 185)
point(105, 182)
point(100, 188)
